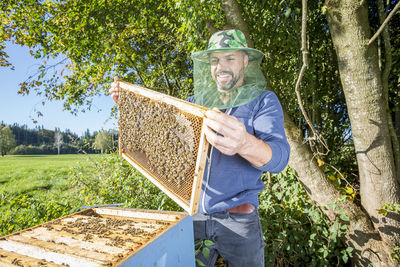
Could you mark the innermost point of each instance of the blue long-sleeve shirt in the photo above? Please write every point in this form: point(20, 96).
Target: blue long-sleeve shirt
point(230, 181)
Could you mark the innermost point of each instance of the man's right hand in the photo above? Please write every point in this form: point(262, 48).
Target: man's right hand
point(114, 90)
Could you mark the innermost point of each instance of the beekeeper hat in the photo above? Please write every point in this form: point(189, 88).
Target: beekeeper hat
point(228, 40)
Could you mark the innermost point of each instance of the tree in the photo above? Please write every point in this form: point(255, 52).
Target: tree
point(7, 140)
point(345, 89)
point(103, 141)
point(363, 85)
point(58, 140)
point(102, 38)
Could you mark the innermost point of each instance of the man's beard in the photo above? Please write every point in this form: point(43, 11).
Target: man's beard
point(228, 86)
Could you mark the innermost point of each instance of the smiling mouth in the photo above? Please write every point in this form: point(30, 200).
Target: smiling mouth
point(223, 77)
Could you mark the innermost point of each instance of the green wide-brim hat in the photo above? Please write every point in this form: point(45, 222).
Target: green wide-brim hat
point(225, 41)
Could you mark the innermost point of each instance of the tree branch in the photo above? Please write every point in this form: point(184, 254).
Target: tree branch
point(234, 18)
point(383, 25)
point(303, 69)
point(169, 87)
point(385, 84)
point(136, 69)
point(210, 26)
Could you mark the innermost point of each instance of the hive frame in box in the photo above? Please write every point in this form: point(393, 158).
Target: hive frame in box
point(202, 150)
point(67, 242)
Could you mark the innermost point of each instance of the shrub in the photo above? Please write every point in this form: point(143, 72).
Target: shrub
point(20, 211)
point(113, 180)
point(44, 150)
point(296, 232)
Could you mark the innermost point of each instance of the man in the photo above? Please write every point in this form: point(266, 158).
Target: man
point(247, 138)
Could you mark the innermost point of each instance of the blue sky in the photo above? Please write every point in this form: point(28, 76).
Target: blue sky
point(19, 109)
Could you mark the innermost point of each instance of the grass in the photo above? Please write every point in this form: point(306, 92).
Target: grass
point(37, 188)
point(25, 173)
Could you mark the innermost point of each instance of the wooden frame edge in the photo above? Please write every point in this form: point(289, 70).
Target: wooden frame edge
point(199, 170)
point(171, 216)
point(179, 103)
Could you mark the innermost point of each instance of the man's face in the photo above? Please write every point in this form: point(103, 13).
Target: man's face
point(227, 69)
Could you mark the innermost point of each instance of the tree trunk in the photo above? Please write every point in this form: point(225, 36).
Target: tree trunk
point(396, 126)
point(362, 85)
point(385, 84)
point(397, 122)
point(234, 18)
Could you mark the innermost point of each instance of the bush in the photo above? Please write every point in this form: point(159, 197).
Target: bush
point(33, 150)
point(68, 149)
point(19, 150)
point(20, 211)
point(113, 180)
point(44, 150)
point(296, 232)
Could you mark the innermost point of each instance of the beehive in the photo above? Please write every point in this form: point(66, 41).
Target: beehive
point(163, 137)
point(104, 237)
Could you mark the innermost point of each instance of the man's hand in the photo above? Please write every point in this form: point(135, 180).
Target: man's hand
point(234, 134)
point(235, 139)
point(114, 90)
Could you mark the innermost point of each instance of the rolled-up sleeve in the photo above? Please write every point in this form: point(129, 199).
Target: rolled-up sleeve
point(268, 126)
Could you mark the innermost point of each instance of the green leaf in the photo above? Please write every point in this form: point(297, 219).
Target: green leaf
point(344, 217)
point(345, 257)
point(332, 205)
point(199, 262)
point(209, 243)
point(323, 9)
point(343, 228)
point(288, 11)
point(326, 253)
point(206, 252)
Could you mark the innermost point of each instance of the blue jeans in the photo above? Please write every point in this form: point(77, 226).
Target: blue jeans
point(238, 238)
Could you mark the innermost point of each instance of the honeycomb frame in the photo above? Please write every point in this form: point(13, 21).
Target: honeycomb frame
point(188, 159)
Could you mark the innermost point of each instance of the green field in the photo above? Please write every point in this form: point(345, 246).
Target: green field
point(25, 173)
point(37, 188)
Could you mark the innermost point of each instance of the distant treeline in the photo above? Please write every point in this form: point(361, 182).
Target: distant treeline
point(44, 141)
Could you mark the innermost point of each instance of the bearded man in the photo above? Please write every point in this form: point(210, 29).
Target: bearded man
point(247, 138)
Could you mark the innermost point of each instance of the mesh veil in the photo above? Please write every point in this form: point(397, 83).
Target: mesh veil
point(205, 88)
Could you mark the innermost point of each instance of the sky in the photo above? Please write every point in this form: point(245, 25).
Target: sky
point(20, 109)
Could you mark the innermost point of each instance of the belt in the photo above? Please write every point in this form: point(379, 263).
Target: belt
point(245, 208)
